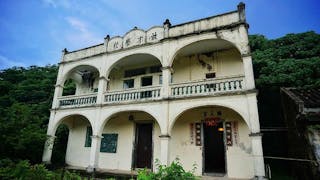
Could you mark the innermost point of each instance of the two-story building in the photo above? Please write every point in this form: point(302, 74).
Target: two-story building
point(174, 91)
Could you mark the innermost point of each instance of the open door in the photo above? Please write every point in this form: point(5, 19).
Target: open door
point(143, 149)
point(214, 149)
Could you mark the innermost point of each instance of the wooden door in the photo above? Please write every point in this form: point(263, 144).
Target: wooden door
point(214, 150)
point(143, 155)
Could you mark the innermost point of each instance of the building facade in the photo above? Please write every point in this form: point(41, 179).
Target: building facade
point(181, 91)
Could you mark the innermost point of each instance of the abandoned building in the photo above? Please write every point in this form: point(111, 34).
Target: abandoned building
point(173, 91)
point(301, 109)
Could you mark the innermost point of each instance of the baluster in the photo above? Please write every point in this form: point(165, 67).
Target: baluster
point(240, 84)
point(138, 95)
point(155, 93)
point(234, 85)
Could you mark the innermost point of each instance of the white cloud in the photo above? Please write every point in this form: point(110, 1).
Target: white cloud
point(50, 3)
point(77, 24)
point(7, 63)
point(80, 36)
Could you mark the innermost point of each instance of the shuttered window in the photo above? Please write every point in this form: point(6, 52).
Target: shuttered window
point(88, 137)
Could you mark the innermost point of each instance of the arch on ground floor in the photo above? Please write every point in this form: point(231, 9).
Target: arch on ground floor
point(52, 128)
point(184, 109)
point(128, 110)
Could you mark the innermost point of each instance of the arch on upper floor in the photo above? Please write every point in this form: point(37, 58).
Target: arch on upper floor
point(132, 66)
point(78, 69)
point(134, 60)
point(129, 111)
point(86, 78)
point(203, 105)
point(202, 45)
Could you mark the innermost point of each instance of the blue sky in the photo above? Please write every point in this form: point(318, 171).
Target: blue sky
point(33, 32)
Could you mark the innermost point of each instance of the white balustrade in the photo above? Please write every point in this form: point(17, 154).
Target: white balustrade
point(77, 100)
point(133, 95)
point(206, 87)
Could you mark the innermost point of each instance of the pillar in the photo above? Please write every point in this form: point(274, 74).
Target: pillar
point(57, 93)
point(166, 79)
point(256, 136)
point(103, 81)
point(48, 147)
point(257, 153)
point(94, 153)
point(248, 72)
point(164, 149)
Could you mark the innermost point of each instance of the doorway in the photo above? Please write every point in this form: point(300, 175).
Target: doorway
point(143, 145)
point(214, 149)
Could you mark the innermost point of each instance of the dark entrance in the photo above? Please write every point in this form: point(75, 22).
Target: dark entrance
point(143, 146)
point(214, 155)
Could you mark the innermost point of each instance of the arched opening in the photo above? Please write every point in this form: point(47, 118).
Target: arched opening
point(72, 142)
point(130, 141)
point(206, 60)
point(215, 138)
point(69, 87)
point(82, 79)
point(135, 72)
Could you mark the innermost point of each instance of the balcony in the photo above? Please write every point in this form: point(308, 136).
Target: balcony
point(207, 87)
point(142, 94)
point(77, 100)
point(152, 93)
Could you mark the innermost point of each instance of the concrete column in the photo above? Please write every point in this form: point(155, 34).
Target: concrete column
point(166, 79)
point(164, 149)
point(57, 93)
point(103, 81)
point(256, 136)
point(48, 147)
point(248, 72)
point(257, 154)
point(94, 153)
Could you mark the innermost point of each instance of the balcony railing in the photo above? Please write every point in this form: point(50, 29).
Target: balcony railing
point(146, 93)
point(177, 90)
point(77, 100)
point(207, 87)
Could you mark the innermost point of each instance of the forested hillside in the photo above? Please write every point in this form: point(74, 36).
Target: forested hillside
point(26, 93)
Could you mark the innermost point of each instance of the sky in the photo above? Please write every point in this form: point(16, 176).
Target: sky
point(34, 32)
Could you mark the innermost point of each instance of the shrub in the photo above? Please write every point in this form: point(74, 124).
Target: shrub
point(173, 172)
point(23, 170)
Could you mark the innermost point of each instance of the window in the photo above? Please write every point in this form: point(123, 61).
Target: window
point(146, 81)
point(88, 137)
point(155, 69)
point(160, 79)
point(129, 83)
point(109, 143)
point(210, 75)
point(134, 72)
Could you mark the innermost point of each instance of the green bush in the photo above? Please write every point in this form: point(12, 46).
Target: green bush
point(23, 170)
point(173, 172)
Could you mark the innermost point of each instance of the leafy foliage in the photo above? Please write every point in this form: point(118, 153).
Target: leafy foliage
point(25, 99)
point(23, 170)
point(173, 172)
point(293, 60)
